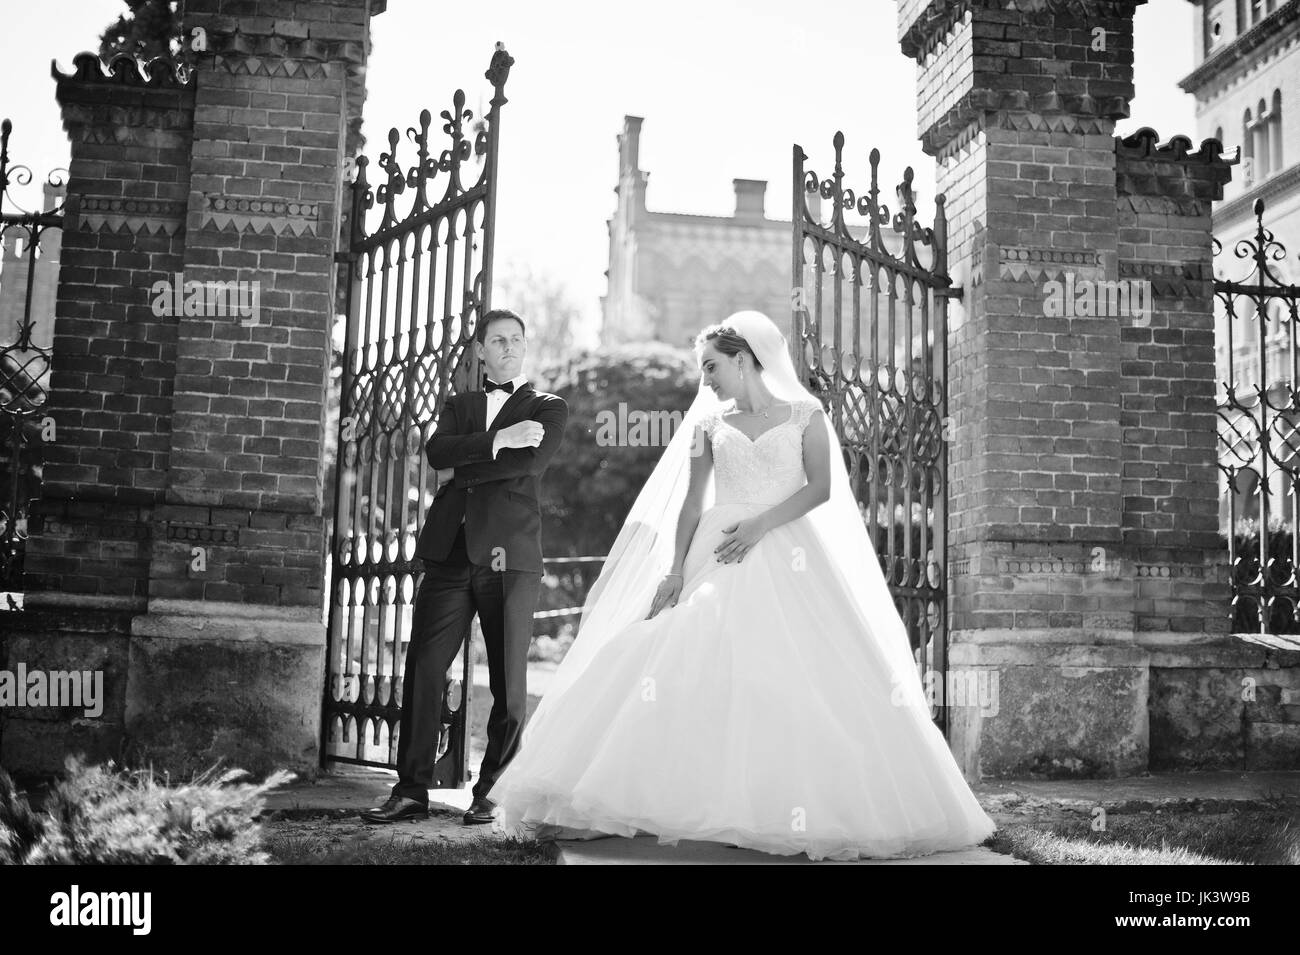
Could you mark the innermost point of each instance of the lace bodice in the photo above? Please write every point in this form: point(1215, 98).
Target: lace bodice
point(762, 471)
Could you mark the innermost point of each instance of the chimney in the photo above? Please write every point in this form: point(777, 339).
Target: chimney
point(631, 177)
point(629, 146)
point(749, 198)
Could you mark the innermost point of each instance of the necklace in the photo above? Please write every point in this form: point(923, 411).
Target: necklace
point(762, 411)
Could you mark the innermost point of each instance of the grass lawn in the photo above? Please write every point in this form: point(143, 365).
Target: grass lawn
point(1248, 836)
point(393, 848)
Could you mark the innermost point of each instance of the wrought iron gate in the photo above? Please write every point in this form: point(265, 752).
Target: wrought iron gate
point(870, 337)
point(417, 284)
point(1259, 434)
point(28, 277)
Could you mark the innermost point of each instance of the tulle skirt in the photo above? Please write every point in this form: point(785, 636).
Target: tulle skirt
point(755, 712)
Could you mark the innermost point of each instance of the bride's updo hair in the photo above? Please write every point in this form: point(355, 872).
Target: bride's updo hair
point(727, 341)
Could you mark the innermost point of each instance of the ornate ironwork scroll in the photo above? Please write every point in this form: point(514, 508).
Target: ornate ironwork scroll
point(870, 336)
point(27, 282)
point(419, 281)
point(1259, 435)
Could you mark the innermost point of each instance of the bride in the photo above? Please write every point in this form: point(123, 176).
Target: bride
point(740, 673)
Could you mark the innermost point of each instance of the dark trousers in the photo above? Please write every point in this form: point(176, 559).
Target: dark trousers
point(451, 592)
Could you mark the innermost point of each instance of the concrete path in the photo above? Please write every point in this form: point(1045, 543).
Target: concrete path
point(646, 850)
point(349, 789)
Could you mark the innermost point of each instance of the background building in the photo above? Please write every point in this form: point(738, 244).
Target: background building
point(15, 265)
point(1247, 88)
point(672, 273)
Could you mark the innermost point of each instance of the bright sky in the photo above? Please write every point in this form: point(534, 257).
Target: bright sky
point(725, 89)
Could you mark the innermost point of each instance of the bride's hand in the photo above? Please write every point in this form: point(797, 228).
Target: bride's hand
point(740, 538)
point(669, 590)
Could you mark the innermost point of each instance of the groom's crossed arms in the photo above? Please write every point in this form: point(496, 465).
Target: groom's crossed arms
point(469, 454)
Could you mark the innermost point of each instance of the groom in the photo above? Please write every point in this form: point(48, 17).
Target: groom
point(482, 550)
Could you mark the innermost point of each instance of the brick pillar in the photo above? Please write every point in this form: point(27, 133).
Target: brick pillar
point(113, 363)
point(1019, 108)
point(1198, 718)
point(236, 607)
point(214, 474)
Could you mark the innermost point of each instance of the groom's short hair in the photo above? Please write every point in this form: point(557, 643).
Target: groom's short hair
point(480, 333)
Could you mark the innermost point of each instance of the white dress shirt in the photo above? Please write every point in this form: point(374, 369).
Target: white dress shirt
point(495, 399)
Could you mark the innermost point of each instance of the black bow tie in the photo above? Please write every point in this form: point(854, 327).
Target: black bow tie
point(490, 385)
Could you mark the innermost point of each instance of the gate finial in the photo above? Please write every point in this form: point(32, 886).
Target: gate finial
point(498, 72)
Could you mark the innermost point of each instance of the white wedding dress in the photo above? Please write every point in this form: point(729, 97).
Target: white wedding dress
point(754, 712)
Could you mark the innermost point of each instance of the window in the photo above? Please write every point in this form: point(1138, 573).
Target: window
point(1275, 132)
point(1212, 21)
point(1247, 150)
point(1261, 141)
point(1251, 12)
point(1276, 352)
point(1262, 154)
point(1246, 341)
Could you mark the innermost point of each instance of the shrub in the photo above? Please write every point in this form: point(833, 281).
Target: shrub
point(97, 815)
point(546, 648)
point(591, 484)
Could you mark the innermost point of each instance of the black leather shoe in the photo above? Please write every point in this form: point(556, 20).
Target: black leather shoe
point(479, 811)
point(396, 809)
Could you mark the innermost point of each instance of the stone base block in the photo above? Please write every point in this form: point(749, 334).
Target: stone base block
point(233, 683)
point(185, 686)
point(1060, 710)
point(1229, 703)
point(69, 639)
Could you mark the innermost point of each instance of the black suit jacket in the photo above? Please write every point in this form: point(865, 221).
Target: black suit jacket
point(498, 498)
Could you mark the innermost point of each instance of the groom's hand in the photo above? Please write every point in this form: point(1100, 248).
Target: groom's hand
point(524, 434)
point(441, 478)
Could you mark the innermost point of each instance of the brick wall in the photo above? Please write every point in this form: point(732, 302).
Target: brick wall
point(1164, 195)
point(181, 537)
point(115, 361)
point(1082, 479)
